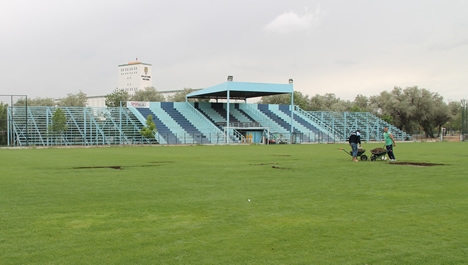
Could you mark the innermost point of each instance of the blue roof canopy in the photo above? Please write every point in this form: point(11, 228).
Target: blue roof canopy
point(241, 90)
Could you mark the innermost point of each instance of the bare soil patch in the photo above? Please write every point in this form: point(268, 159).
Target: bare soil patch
point(263, 164)
point(112, 167)
point(118, 167)
point(416, 164)
point(278, 167)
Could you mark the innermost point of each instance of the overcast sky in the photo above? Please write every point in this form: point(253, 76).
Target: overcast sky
point(50, 48)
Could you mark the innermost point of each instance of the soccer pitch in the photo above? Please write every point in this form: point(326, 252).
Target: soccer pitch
point(250, 204)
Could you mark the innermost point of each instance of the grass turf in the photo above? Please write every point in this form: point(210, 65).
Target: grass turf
point(309, 204)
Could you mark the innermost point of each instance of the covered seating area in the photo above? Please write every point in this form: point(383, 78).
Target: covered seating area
point(231, 90)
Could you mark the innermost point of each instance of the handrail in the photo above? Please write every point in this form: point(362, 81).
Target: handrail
point(241, 124)
point(238, 135)
point(318, 122)
point(258, 116)
point(121, 134)
point(205, 120)
point(371, 124)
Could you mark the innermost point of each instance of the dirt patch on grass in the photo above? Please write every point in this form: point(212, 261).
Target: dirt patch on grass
point(278, 167)
point(112, 167)
point(415, 164)
point(263, 164)
point(273, 165)
point(121, 167)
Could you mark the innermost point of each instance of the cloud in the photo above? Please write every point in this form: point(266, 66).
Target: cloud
point(290, 21)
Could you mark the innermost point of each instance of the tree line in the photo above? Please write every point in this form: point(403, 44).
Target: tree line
point(148, 94)
point(411, 109)
point(112, 100)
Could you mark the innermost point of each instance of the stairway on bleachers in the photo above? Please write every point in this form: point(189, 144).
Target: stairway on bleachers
point(177, 123)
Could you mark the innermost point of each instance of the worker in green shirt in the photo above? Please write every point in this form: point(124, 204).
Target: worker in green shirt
point(389, 143)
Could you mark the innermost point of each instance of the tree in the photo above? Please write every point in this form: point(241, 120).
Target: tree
point(455, 108)
point(441, 113)
point(317, 103)
point(276, 99)
point(427, 109)
point(387, 118)
point(360, 104)
point(341, 106)
point(377, 104)
point(401, 107)
point(148, 94)
point(299, 100)
point(59, 123)
point(148, 131)
point(464, 117)
point(74, 100)
point(394, 106)
point(380, 106)
point(3, 123)
point(412, 108)
point(36, 102)
point(118, 95)
point(180, 96)
point(329, 102)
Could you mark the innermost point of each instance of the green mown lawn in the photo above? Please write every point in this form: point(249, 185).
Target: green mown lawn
point(309, 204)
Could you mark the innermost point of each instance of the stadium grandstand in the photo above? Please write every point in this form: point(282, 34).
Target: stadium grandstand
point(226, 119)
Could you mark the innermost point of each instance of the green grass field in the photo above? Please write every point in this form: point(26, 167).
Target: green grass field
point(309, 204)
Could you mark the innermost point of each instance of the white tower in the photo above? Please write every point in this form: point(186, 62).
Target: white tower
point(134, 76)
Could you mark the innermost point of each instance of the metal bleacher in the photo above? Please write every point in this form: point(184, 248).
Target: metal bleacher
point(189, 123)
point(241, 117)
point(217, 113)
point(178, 122)
point(304, 127)
point(210, 113)
point(84, 126)
point(370, 126)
